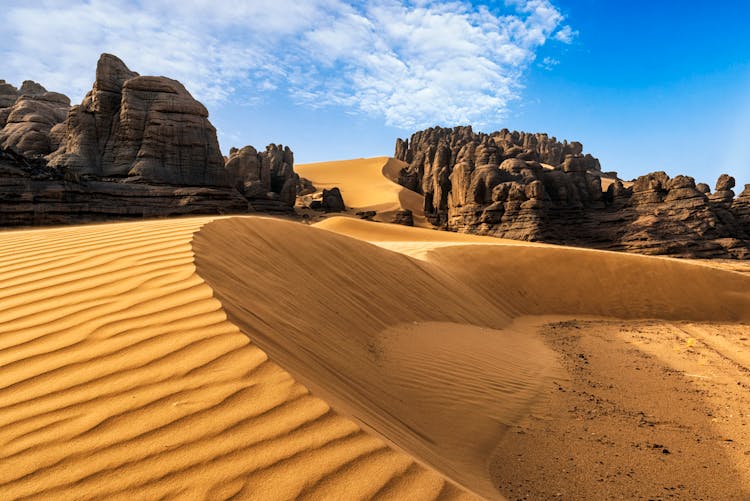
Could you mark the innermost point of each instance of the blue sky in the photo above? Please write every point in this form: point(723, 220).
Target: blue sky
point(644, 85)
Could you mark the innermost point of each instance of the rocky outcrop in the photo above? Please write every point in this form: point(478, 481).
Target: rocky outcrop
point(532, 187)
point(404, 217)
point(137, 146)
point(31, 193)
point(326, 201)
point(146, 127)
point(268, 174)
point(27, 116)
point(741, 208)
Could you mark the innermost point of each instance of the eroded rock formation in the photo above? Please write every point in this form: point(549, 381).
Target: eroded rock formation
point(532, 187)
point(137, 146)
point(140, 126)
point(27, 115)
point(268, 174)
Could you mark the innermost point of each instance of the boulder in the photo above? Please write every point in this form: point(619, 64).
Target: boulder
point(333, 201)
point(404, 217)
point(367, 215)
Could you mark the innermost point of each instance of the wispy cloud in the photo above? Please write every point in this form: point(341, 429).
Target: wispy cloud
point(548, 63)
point(411, 62)
point(566, 34)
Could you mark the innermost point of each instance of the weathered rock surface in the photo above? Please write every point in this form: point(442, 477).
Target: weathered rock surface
point(27, 117)
point(268, 174)
point(404, 217)
point(367, 215)
point(140, 126)
point(33, 194)
point(137, 146)
point(327, 201)
point(531, 187)
point(333, 201)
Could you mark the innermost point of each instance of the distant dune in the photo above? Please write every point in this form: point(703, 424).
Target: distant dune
point(368, 184)
point(258, 358)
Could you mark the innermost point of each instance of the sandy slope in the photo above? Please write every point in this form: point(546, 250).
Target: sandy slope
point(120, 377)
point(363, 331)
point(367, 184)
point(395, 342)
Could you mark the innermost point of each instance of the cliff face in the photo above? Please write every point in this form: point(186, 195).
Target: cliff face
point(532, 187)
point(137, 146)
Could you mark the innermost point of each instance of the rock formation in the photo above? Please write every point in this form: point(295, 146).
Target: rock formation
point(532, 187)
point(31, 193)
point(327, 201)
point(137, 146)
point(404, 217)
point(27, 116)
point(268, 174)
point(140, 126)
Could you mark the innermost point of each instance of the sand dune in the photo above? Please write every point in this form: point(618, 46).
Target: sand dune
point(177, 358)
point(408, 346)
point(543, 279)
point(120, 377)
point(368, 184)
point(349, 324)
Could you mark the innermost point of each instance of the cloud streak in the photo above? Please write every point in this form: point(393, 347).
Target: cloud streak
point(412, 63)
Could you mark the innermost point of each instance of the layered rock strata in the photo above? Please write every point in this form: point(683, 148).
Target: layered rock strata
point(32, 194)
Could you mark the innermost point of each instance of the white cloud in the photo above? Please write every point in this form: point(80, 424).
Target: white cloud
point(566, 35)
point(411, 62)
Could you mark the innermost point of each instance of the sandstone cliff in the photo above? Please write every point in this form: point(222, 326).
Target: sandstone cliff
point(532, 187)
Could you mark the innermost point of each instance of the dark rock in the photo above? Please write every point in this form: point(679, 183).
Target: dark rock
point(725, 183)
point(27, 116)
point(28, 123)
point(269, 174)
point(137, 146)
point(146, 127)
point(8, 95)
point(496, 184)
point(327, 201)
point(404, 217)
point(305, 187)
point(333, 201)
point(367, 215)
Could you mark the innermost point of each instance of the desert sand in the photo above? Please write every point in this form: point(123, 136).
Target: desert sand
point(258, 358)
point(367, 184)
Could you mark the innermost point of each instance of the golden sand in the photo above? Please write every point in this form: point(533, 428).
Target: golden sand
point(256, 358)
